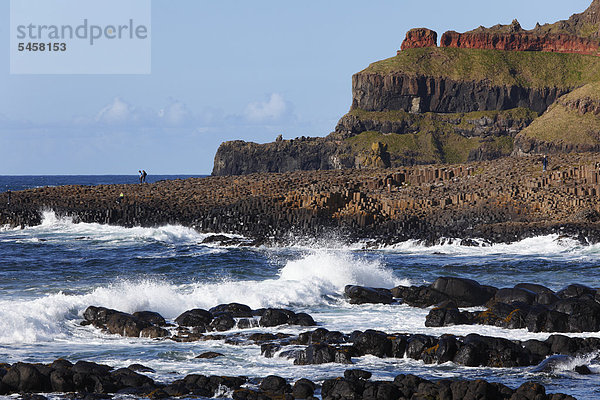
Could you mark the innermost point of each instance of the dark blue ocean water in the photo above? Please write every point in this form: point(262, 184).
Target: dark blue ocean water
point(32, 181)
point(50, 273)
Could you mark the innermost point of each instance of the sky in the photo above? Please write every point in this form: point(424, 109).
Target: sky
point(221, 70)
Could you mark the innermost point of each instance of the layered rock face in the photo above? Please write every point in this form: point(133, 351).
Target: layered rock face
point(580, 34)
point(304, 154)
point(418, 38)
point(521, 41)
point(420, 94)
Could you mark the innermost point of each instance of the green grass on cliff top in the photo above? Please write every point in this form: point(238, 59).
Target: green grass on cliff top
point(560, 124)
point(505, 68)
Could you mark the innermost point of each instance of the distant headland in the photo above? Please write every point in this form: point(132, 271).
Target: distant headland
point(479, 95)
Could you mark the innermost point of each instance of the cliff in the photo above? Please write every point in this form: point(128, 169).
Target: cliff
point(580, 34)
point(572, 124)
point(464, 101)
point(305, 154)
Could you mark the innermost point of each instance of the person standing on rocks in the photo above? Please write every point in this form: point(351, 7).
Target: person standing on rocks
point(141, 175)
point(144, 175)
point(545, 163)
point(9, 193)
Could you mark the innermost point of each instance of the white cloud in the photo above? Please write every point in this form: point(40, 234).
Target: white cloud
point(117, 112)
point(272, 110)
point(175, 113)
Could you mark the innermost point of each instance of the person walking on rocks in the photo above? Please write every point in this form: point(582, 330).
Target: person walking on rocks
point(545, 163)
point(144, 175)
point(141, 175)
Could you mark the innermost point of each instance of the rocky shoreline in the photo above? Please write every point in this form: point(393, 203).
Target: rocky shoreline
point(88, 380)
point(501, 201)
point(91, 381)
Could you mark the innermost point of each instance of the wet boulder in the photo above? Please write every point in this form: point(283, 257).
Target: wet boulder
point(276, 385)
point(357, 374)
point(195, 317)
point(302, 319)
point(235, 309)
point(445, 314)
point(576, 291)
point(417, 344)
point(494, 352)
point(98, 316)
point(442, 352)
point(303, 389)
point(222, 322)
point(126, 325)
point(514, 295)
point(373, 342)
point(154, 332)
point(150, 317)
point(419, 296)
point(364, 295)
point(27, 378)
point(341, 389)
point(583, 313)
point(275, 317)
point(464, 292)
point(321, 353)
point(124, 378)
point(399, 344)
point(542, 319)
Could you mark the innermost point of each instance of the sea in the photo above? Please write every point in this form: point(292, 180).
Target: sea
point(49, 274)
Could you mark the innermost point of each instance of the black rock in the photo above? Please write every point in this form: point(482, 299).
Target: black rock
point(302, 319)
point(222, 322)
point(98, 315)
point(22, 377)
point(445, 314)
point(235, 309)
point(275, 317)
point(417, 344)
point(575, 291)
point(514, 295)
point(357, 374)
point(125, 325)
point(150, 317)
point(275, 385)
point(373, 342)
point(419, 296)
point(364, 295)
point(303, 389)
point(195, 317)
point(209, 355)
point(464, 292)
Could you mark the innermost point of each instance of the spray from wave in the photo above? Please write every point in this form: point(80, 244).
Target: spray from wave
point(315, 278)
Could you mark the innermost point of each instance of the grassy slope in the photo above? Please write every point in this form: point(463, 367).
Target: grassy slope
point(562, 125)
point(526, 69)
point(436, 139)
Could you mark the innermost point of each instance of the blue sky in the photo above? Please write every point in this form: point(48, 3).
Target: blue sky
point(221, 70)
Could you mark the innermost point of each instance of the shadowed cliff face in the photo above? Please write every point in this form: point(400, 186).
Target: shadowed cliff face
point(377, 92)
point(304, 154)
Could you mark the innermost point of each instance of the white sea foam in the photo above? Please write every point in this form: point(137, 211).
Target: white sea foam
point(54, 228)
point(542, 246)
point(317, 278)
